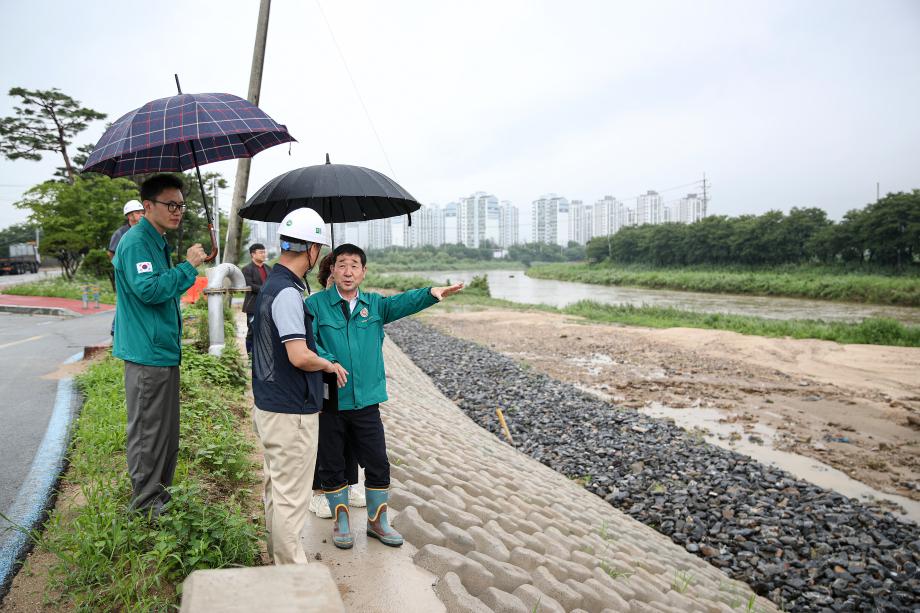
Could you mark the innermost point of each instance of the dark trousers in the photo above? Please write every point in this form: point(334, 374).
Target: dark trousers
point(362, 428)
point(351, 465)
point(249, 319)
point(152, 396)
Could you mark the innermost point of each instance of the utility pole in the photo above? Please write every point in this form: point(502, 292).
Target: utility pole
point(241, 184)
point(878, 195)
point(705, 196)
point(216, 215)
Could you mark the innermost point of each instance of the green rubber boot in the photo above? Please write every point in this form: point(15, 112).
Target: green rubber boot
point(341, 529)
point(378, 526)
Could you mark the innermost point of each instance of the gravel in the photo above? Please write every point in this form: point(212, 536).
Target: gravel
point(804, 547)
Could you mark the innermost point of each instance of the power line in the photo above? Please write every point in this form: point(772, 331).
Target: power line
point(357, 92)
point(698, 182)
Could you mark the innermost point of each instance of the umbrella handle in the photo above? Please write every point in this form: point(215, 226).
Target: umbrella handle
point(213, 253)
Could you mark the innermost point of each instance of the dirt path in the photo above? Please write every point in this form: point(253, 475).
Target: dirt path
point(853, 407)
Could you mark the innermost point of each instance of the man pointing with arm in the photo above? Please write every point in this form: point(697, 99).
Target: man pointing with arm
point(348, 324)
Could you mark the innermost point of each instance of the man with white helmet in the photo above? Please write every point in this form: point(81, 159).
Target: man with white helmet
point(287, 385)
point(133, 211)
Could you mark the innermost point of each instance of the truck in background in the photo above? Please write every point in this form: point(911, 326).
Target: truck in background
point(19, 258)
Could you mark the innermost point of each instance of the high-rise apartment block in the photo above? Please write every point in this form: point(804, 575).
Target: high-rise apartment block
point(649, 208)
point(427, 227)
point(510, 224)
point(549, 220)
point(690, 209)
point(481, 219)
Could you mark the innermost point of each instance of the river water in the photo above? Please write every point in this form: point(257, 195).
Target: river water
point(515, 286)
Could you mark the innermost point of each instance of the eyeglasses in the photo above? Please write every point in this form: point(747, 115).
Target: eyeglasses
point(172, 207)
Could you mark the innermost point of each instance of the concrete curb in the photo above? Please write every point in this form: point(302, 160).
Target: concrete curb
point(39, 489)
point(292, 587)
point(37, 310)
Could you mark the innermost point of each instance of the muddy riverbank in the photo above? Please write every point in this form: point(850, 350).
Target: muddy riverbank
point(855, 408)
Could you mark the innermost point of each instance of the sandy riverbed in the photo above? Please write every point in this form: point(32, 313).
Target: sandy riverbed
point(853, 407)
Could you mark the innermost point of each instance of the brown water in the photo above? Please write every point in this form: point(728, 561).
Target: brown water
point(731, 436)
point(516, 286)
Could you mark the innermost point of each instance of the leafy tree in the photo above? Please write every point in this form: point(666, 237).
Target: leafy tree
point(800, 228)
point(45, 120)
point(96, 263)
point(528, 253)
point(79, 160)
point(598, 249)
point(16, 233)
point(76, 217)
point(891, 229)
point(194, 227)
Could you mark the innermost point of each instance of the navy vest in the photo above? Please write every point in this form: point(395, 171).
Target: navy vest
point(278, 385)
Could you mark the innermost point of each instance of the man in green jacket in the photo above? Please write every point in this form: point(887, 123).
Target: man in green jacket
point(148, 335)
point(348, 326)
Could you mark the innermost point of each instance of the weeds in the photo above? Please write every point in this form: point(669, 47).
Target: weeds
point(682, 581)
point(822, 283)
point(735, 597)
point(614, 572)
point(59, 287)
point(872, 331)
point(110, 558)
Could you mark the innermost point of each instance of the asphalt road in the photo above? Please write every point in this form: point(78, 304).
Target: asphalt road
point(31, 348)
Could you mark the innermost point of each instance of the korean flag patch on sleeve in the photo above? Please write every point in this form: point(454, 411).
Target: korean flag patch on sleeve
point(144, 267)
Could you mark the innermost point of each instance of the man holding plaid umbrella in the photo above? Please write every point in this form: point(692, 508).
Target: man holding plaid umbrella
point(148, 337)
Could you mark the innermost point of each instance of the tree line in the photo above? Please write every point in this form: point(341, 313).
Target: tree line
point(885, 234)
point(411, 257)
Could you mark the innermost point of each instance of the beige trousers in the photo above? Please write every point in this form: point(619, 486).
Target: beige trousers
point(289, 442)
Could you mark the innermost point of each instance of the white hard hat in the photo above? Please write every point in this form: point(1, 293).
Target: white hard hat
point(133, 205)
point(305, 225)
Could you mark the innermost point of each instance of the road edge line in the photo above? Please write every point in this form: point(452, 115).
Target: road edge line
point(38, 492)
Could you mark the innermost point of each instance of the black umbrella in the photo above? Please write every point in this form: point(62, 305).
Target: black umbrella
point(338, 192)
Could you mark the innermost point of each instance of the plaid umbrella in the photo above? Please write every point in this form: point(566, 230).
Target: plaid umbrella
point(158, 137)
point(184, 131)
point(338, 192)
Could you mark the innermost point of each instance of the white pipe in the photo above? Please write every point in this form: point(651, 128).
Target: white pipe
point(216, 278)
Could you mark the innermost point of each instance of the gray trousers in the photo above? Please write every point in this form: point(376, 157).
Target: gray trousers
point(152, 396)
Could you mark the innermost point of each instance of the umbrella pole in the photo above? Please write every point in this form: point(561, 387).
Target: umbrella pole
point(207, 211)
point(204, 195)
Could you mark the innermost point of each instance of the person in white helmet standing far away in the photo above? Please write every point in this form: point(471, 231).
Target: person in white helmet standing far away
point(287, 385)
point(133, 211)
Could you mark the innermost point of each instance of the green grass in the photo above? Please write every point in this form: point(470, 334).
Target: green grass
point(682, 581)
point(399, 283)
point(822, 283)
point(108, 558)
point(873, 331)
point(59, 287)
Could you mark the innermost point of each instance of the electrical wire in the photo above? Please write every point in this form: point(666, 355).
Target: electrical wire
point(357, 92)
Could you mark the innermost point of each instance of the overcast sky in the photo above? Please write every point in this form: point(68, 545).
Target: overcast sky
point(780, 103)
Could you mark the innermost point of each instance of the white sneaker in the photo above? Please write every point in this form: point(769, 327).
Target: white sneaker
point(320, 506)
point(356, 497)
